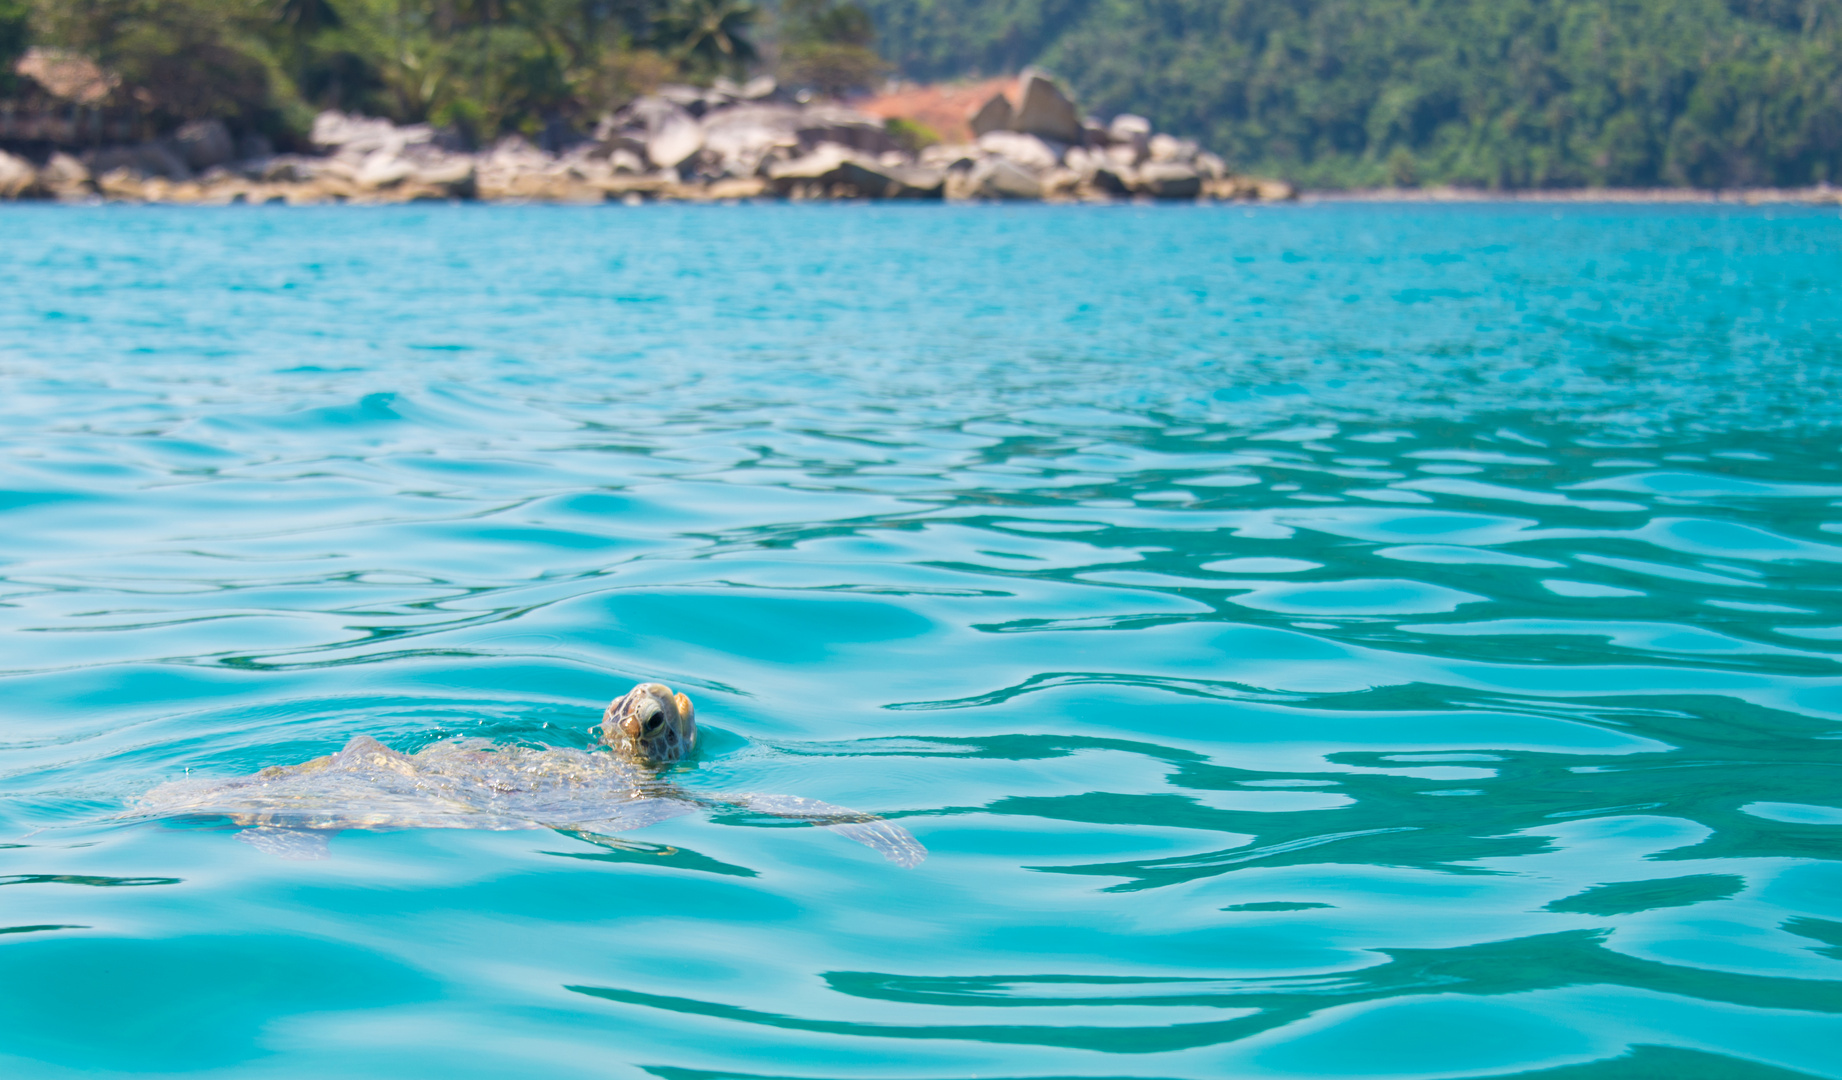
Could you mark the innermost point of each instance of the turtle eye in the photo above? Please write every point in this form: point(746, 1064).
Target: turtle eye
point(653, 724)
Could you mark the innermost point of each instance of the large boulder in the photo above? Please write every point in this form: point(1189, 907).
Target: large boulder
point(65, 177)
point(1163, 147)
point(1169, 180)
point(205, 143)
point(739, 140)
point(997, 178)
point(676, 138)
point(1026, 150)
point(1128, 138)
point(839, 171)
point(148, 159)
point(843, 126)
point(995, 115)
point(340, 133)
point(1046, 112)
point(891, 180)
point(17, 177)
point(664, 127)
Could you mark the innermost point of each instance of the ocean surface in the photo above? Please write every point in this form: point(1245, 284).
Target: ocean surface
point(1310, 641)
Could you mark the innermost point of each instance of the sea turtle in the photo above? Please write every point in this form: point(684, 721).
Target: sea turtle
point(291, 810)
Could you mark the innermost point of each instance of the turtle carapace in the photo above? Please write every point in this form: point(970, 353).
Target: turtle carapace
point(473, 784)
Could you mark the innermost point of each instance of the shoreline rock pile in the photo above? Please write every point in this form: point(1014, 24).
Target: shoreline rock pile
point(682, 143)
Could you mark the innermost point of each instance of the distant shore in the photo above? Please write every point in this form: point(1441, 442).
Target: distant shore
point(1819, 195)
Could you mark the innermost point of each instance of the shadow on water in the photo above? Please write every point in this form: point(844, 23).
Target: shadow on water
point(1573, 958)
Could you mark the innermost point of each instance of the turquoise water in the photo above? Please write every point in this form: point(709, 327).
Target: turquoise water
point(1310, 641)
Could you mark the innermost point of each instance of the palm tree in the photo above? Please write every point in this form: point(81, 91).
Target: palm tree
point(708, 34)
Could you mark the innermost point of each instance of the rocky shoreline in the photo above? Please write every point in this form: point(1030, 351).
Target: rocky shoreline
point(683, 143)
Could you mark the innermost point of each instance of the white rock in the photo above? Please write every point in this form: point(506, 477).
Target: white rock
point(65, 176)
point(1001, 178)
point(743, 137)
point(17, 176)
point(381, 168)
point(1163, 147)
point(671, 133)
point(1026, 150)
point(1126, 127)
point(362, 135)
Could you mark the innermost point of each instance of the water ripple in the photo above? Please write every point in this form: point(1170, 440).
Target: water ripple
point(1309, 641)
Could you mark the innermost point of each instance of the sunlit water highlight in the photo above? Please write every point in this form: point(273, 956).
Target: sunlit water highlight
point(1310, 641)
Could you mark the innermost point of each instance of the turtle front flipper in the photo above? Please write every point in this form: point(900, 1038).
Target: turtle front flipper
point(890, 840)
point(631, 814)
point(296, 844)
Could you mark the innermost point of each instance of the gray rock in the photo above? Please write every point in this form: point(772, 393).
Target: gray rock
point(695, 99)
point(675, 140)
point(160, 158)
point(834, 168)
point(339, 132)
point(886, 180)
point(1170, 148)
point(254, 147)
point(740, 139)
point(1000, 178)
point(1046, 112)
point(456, 173)
point(1126, 127)
point(286, 169)
point(1026, 150)
point(1114, 179)
point(844, 127)
point(1169, 180)
point(671, 132)
point(65, 176)
point(205, 143)
point(994, 115)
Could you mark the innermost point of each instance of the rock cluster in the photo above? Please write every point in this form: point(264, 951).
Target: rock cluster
point(690, 143)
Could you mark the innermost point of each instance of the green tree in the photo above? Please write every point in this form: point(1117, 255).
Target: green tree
point(15, 35)
point(178, 59)
point(1492, 93)
point(708, 36)
point(828, 46)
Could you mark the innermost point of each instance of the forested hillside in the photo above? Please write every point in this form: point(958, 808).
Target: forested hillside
point(1495, 93)
point(1328, 93)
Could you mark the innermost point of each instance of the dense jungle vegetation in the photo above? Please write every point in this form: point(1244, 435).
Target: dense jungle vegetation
point(1493, 93)
point(483, 67)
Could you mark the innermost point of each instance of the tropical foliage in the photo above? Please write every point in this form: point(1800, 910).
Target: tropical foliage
point(828, 47)
point(1494, 93)
point(483, 67)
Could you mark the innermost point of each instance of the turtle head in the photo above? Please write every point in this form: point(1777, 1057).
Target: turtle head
point(650, 725)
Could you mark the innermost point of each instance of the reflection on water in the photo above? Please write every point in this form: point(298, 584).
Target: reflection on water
point(1309, 641)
